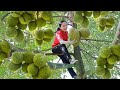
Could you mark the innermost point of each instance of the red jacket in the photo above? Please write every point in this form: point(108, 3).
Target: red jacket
point(60, 35)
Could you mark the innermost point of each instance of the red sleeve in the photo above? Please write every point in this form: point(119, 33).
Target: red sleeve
point(59, 36)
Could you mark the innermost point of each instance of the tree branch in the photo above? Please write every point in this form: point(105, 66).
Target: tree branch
point(116, 39)
point(4, 16)
point(89, 54)
point(60, 65)
point(61, 16)
point(117, 67)
point(96, 40)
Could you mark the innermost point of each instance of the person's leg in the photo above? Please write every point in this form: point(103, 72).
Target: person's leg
point(66, 54)
point(70, 70)
point(64, 60)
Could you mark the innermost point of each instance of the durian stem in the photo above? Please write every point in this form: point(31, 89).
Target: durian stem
point(116, 39)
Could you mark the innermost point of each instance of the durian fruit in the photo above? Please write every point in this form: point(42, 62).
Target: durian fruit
point(46, 15)
point(87, 13)
point(102, 21)
point(100, 70)
point(5, 46)
point(32, 69)
point(40, 22)
point(84, 33)
point(13, 67)
point(25, 18)
point(78, 18)
point(20, 36)
point(17, 57)
point(110, 21)
point(28, 57)
point(105, 52)
point(0, 62)
point(112, 59)
point(85, 22)
point(16, 13)
point(2, 56)
point(48, 33)
point(38, 42)
point(104, 13)
point(11, 32)
point(24, 68)
point(74, 35)
point(11, 21)
point(47, 39)
point(108, 26)
point(32, 25)
point(96, 14)
point(101, 61)
point(115, 50)
point(22, 26)
point(39, 60)
point(39, 34)
point(109, 66)
point(44, 72)
point(101, 28)
point(107, 74)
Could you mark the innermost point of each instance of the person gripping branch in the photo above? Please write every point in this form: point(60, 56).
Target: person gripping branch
point(59, 47)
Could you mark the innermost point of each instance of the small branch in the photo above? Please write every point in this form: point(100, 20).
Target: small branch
point(89, 54)
point(93, 45)
point(4, 16)
point(96, 40)
point(61, 16)
point(117, 67)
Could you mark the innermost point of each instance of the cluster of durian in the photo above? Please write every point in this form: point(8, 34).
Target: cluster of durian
point(108, 57)
point(18, 21)
point(75, 34)
point(35, 65)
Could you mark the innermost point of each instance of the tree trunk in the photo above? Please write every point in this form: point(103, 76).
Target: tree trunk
point(80, 66)
point(77, 54)
point(116, 39)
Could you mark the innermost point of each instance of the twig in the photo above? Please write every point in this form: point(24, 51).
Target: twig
point(88, 53)
point(4, 16)
point(96, 40)
point(61, 16)
point(93, 45)
point(117, 67)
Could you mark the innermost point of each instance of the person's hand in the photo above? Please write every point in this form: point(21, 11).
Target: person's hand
point(72, 42)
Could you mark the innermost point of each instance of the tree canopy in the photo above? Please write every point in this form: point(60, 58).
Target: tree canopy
point(26, 38)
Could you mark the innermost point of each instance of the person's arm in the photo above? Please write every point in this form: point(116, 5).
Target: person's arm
point(64, 42)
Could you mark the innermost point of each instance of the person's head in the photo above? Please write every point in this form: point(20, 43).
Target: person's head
point(62, 26)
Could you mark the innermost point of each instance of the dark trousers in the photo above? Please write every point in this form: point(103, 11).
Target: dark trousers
point(61, 49)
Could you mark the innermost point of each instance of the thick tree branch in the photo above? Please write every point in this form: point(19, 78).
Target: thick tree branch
point(59, 65)
point(116, 39)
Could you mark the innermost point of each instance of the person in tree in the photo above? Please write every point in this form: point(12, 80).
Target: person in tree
point(59, 47)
